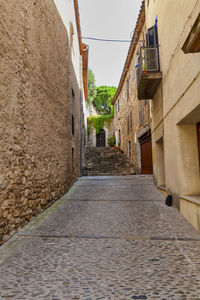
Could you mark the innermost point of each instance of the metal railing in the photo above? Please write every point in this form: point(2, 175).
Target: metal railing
point(148, 61)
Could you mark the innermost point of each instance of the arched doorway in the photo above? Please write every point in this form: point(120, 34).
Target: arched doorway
point(101, 139)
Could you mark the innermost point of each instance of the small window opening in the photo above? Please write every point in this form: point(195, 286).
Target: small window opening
point(72, 159)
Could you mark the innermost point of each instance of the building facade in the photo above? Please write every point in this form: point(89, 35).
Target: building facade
point(40, 107)
point(170, 76)
point(100, 138)
point(132, 116)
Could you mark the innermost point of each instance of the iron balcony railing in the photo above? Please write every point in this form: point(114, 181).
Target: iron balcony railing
point(148, 62)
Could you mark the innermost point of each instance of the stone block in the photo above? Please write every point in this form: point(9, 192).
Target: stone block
point(38, 158)
point(16, 213)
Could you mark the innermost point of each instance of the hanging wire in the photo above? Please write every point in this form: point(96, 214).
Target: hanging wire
point(105, 40)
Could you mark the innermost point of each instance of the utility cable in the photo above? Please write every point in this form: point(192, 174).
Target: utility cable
point(105, 40)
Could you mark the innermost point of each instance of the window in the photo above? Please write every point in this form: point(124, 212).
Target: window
point(73, 108)
point(127, 88)
point(128, 123)
point(192, 43)
point(140, 113)
point(131, 120)
point(117, 106)
point(129, 148)
point(73, 127)
point(119, 143)
point(72, 159)
point(152, 36)
point(152, 61)
point(73, 100)
point(136, 65)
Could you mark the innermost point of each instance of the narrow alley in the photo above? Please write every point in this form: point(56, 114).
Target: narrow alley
point(109, 237)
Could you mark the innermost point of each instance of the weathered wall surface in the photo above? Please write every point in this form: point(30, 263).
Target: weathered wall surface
point(127, 107)
point(36, 80)
point(109, 131)
point(132, 116)
point(176, 106)
point(176, 102)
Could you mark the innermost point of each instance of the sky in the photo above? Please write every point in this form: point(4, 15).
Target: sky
point(108, 19)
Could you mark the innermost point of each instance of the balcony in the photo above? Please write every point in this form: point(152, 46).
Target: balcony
point(148, 73)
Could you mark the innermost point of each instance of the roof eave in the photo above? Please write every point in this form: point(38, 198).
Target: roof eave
point(134, 41)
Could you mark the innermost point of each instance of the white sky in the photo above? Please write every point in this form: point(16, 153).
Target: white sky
point(108, 19)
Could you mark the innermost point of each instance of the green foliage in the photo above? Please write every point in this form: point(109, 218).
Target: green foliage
point(112, 111)
point(103, 99)
point(91, 87)
point(98, 122)
point(89, 129)
point(111, 140)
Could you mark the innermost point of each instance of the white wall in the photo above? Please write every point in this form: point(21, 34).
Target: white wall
point(67, 13)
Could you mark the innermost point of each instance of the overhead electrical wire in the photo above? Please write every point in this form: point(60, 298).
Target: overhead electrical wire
point(105, 40)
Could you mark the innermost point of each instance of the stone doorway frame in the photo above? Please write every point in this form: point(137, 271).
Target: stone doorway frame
point(101, 138)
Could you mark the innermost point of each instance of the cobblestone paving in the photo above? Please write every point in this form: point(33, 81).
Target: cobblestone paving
point(108, 238)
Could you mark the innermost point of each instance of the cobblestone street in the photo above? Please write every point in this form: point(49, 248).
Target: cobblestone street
point(107, 238)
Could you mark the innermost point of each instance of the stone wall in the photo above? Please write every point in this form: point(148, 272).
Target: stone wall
point(37, 145)
point(132, 116)
point(109, 131)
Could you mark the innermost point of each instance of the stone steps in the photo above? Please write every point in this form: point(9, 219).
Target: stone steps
point(106, 161)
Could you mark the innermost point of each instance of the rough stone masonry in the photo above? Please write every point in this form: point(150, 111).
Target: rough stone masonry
point(37, 84)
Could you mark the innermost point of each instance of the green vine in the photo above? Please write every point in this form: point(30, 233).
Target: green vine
point(98, 122)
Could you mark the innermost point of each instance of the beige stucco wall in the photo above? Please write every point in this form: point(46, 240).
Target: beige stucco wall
point(191, 211)
point(177, 97)
point(67, 13)
point(37, 77)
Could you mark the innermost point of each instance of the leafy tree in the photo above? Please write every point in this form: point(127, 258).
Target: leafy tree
point(103, 99)
point(91, 87)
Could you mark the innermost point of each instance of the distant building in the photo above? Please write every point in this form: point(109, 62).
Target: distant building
point(132, 116)
point(169, 74)
point(100, 138)
point(43, 92)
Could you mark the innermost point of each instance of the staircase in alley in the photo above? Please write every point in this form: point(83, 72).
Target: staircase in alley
point(106, 161)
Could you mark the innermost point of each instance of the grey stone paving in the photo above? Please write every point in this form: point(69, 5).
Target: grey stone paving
point(108, 238)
